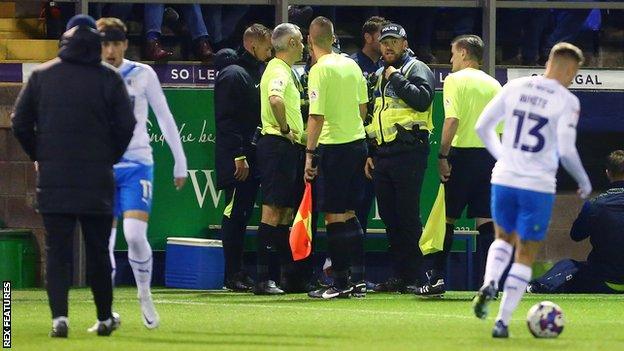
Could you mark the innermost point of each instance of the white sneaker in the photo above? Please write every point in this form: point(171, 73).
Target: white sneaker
point(116, 322)
point(151, 319)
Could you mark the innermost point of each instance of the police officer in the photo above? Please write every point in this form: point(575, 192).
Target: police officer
point(338, 99)
point(402, 121)
point(237, 115)
point(464, 164)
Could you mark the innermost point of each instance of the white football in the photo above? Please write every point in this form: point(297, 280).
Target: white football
point(545, 320)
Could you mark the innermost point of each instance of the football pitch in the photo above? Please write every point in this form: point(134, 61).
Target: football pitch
point(218, 320)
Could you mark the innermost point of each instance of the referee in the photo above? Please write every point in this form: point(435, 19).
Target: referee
point(338, 99)
point(465, 165)
point(279, 154)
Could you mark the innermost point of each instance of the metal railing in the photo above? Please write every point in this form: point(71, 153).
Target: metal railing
point(488, 8)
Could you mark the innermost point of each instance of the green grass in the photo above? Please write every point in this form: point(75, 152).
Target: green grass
point(200, 320)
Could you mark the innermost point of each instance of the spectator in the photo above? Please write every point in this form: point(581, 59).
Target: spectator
point(601, 220)
point(221, 21)
point(153, 21)
point(74, 119)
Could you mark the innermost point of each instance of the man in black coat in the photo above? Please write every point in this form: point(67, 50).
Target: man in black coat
point(237, 114)
point(601, 221)
point(74, 119)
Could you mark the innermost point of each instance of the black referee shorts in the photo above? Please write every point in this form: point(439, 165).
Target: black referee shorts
point(339, 186)
point(469, 183)
point(280, 163)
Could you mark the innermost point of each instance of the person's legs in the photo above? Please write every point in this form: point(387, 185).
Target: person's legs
point(199, 33)
point(532, 218)
point(95, 229)
point(240, 199)
point(121, 11)
point(230, 18)
point(152, 22)
point(409, 174)
point(569, 25)
point(517, 279)
point(386, 195)
point(59, 247)
point(195, 21)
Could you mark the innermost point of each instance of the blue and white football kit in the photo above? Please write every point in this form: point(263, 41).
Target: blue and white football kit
point(540, 117)
point(134, 176)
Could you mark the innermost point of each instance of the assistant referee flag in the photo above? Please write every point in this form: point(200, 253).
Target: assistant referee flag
point(301, 232)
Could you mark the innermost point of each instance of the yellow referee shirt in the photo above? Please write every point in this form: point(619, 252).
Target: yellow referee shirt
point(465, 95)
point(279, 80)
point(336, 87)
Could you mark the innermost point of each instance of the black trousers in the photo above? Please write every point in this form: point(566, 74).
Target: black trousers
point(398, 179)
point(242, 197)
point(60, 248)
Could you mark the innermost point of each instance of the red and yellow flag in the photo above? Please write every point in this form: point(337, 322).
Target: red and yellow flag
point(301, 232)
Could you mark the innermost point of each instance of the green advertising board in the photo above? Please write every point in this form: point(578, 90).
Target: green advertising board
point(190, 211)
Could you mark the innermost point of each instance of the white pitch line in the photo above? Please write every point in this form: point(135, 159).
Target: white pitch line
point(401, 313)
point(195, 303)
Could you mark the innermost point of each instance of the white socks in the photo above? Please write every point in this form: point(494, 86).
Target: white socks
point(498, 258)
point(515, 285)
point(139, 253)
point(111, 253)
point(57, 320)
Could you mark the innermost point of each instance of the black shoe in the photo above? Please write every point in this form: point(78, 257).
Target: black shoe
point(107, 327)
point(267, 287)
point(480, 302)
point(331, 293)
point(359, 290)
point(59, 330)
point(436, 289)
point(500, 330)
point(391, 285)
point(240, 282)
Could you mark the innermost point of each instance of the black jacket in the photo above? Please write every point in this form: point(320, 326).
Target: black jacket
point(75, 119)
point(602, 220)
point(237, 111)
point(417, 89)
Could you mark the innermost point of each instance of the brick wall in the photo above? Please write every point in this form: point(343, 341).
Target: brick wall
point(17, 177)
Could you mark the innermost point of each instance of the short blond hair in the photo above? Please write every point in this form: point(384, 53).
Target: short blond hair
point(105, 23)
point(567, 50)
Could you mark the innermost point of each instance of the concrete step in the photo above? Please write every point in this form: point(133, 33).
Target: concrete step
point(7, 9)
point(20, 35)
point(29, 25)
point(28, 49)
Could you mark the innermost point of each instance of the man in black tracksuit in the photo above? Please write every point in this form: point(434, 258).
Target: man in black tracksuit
point(237, 113)
point(601, 220)
point(74, 119)
point(402, 121)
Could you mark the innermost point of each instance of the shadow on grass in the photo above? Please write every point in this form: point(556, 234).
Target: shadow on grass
point(210, 342)
point(267, 335)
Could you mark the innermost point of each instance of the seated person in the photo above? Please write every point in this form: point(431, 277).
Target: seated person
point(601, 220)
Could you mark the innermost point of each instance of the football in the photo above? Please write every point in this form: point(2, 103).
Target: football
point(545, 320)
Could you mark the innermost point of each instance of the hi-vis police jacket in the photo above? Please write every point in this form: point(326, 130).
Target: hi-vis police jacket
point(405, 99)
